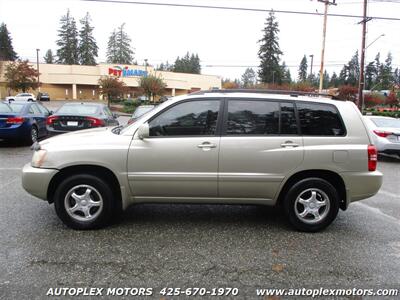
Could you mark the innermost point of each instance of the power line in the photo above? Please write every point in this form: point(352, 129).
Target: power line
point(238, 8)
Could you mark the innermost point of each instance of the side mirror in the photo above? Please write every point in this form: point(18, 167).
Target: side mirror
point(143, 131)
point(115, 115)
point(51, 112)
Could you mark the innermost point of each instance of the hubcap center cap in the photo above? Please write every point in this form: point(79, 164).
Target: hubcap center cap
point(83, 202)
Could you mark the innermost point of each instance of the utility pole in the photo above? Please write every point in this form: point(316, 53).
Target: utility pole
point(364, 32)
point(37, 66)
point(312, 62)
point(321, 71)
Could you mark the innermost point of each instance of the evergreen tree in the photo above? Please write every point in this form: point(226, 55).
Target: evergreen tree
point(87, 44)
point(334, 81)
point(6, 49)
point(286, 76)
point(67, 53)
point(119, 47)
point(354, 70)
point(269, 53)
point(350, 74)
point(370, 75)
point(386, 75)
point(397, 77)
point(187, 64)
point(326, 82)
point(165, 67)
point(249, 78)
point(48, 57)
point(303, 69)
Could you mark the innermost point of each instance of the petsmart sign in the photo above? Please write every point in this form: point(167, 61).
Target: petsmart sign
point(125, 72)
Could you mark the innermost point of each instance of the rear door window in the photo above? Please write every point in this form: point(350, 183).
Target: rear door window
point(318, 119)
point(260, 117)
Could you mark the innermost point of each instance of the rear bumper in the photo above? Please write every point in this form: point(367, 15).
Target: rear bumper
point(361, 185)
point(15, 132)
point(36, 180)
point(386, 146)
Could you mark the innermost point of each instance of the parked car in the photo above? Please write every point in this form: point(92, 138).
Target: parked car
point(22, 97)
point(77, 116)
point(23, 121)
point(43, 96)
point(311, 155)
point(385, 132)
point(140, 111)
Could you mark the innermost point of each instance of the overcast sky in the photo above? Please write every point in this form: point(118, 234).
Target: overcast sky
point(220, 37)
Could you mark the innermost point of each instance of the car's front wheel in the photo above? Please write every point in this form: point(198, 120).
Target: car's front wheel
point(311, 204)
point(84, 201)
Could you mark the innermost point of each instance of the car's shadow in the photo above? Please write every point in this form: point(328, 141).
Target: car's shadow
point(200, 214)
point(12, 144)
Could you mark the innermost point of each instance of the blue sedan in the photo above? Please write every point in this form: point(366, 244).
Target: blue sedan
point(23, 121)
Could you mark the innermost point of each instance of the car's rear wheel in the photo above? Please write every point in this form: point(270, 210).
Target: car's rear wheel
point(311, 204)
point(84, 202)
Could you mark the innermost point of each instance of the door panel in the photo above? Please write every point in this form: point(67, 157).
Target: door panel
point(180, 157)
point(173, 167)
point(259, 147)
point(254, 167)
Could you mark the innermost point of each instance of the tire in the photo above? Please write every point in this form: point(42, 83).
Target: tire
point(97, 202)
point(33, 135)
point(304, 202)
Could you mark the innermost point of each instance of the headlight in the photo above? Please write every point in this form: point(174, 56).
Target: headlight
point(38, 158)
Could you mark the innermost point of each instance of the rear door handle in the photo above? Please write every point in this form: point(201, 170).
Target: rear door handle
point(206, 145)
point(289, 144)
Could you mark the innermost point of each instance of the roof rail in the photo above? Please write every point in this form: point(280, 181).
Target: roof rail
point(261, 91)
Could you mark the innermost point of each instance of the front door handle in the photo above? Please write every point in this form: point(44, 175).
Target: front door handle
point(206, 145)
point(289, 144)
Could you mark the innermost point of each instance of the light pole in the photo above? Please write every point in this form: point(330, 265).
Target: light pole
point(312, 61)
point(273, 77)
point(37, 67)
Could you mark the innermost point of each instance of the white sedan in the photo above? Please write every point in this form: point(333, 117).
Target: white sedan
point(385, 132)
point(22, 97)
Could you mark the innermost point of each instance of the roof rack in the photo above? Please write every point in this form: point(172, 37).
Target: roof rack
point(261, 91)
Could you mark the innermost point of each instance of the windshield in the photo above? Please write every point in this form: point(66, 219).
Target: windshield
point(17, 107)
point(141, 110)
point(78, 109)
point(383, 122)
point(4, 108)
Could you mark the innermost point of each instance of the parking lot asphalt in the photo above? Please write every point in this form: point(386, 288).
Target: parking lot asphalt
point(182, 246)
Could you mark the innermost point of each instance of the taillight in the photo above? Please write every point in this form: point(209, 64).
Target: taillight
point(372, 158)
point(94, 122)
point(382, 133)
point(50, 120)
point(130, 121)
point(15, 120)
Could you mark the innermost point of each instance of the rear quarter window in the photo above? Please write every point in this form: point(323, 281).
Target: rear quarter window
point(318, 119)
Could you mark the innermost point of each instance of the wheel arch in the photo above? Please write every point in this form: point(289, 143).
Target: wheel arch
point(95, 170)
point(333, 178)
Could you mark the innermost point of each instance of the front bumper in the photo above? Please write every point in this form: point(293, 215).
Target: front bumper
point(36, 180)
point(361, 185)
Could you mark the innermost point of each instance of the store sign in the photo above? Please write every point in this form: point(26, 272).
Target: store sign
point(125, 72)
